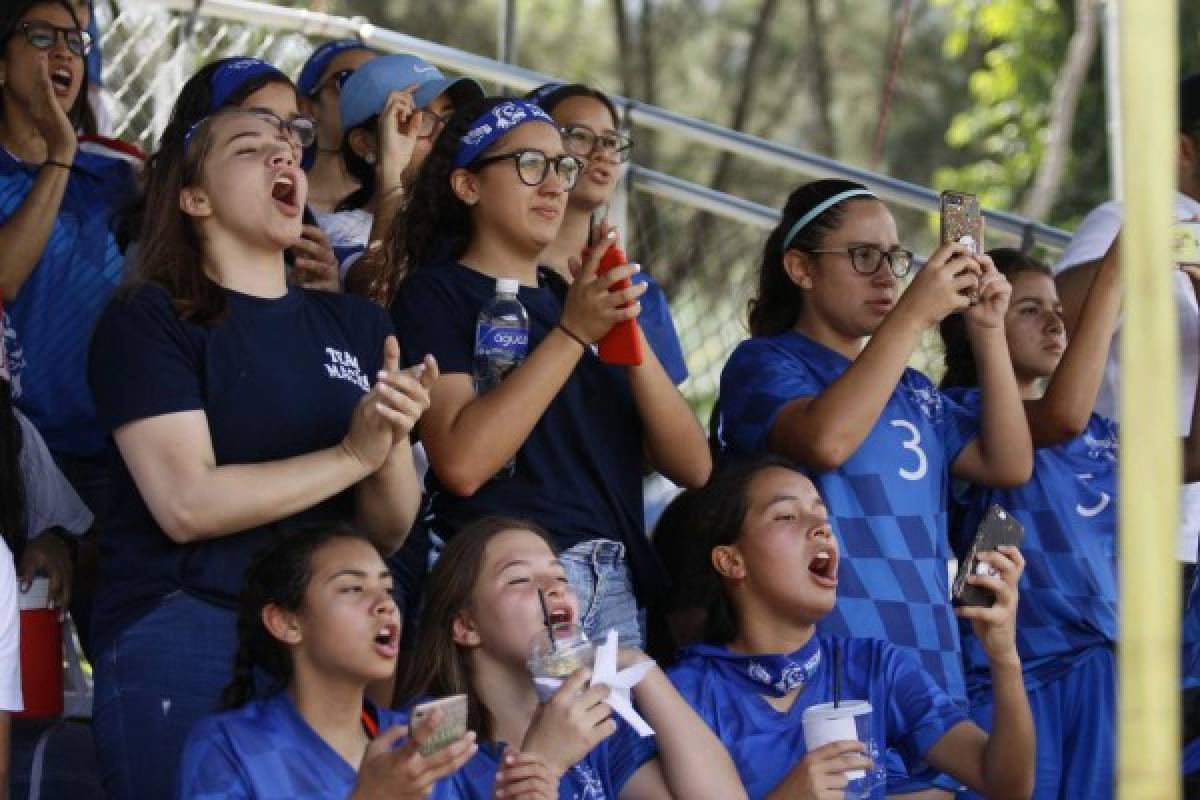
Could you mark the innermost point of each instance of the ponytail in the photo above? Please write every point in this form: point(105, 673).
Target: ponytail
point(279, 576)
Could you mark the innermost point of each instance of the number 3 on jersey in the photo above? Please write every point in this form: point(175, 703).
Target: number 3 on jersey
point(913, 443)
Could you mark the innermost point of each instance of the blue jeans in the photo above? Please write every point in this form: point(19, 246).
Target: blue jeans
point(158, 677)
point(599, 574)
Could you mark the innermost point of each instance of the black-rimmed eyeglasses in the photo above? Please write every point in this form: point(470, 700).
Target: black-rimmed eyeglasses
point(866, 259)
point(533, 166)
point(43, 35)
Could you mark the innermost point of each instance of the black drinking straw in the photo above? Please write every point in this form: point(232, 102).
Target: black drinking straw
point(837, 677)
point(546, 619)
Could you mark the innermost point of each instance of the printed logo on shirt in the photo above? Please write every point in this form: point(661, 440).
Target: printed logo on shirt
point(1104, 449)
point(344, 366)
point(929, 400)
point(592, 787)
point(12, 358)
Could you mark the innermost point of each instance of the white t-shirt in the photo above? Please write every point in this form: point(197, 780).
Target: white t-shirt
point(10, 634)
point(1090, 242)
point(50, 501)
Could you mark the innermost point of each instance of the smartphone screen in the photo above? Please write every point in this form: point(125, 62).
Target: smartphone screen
point(1186, 243)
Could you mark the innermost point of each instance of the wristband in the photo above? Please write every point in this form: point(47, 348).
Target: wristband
point(51, 163)
point(572, 334)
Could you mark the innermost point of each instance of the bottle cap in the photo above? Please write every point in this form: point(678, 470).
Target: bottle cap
point(507, 285)
point(37, 596)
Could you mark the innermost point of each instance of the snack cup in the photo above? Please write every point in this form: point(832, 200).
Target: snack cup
point(556, 654)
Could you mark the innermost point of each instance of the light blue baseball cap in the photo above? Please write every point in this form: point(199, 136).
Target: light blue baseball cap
point(367, 90)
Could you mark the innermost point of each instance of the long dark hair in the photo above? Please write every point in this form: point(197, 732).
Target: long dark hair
point(713, 516)
point(171, 254)
point(777, 303)
point(549, 96)
point(358, 168)
point(435, 225)
point(960, 359)
point(279, 575)
point(440, 667)
point(10, 17)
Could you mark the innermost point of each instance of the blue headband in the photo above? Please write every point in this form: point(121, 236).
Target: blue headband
point(318, 62)
point(820, 209)
point(231, 76)
point(495, 123)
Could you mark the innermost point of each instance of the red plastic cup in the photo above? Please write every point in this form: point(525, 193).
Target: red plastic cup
point(41, 653)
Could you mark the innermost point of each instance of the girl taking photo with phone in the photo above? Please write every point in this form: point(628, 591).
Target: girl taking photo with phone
point(488, 201)
point(879, 438)
point(1067, 623)
point(248, 406)
point(318, 619)
point(483, 613)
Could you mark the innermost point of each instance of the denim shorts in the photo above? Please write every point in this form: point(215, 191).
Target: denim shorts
point(599, 574)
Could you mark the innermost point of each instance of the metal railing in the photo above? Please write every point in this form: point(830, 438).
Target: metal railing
point(152, 46)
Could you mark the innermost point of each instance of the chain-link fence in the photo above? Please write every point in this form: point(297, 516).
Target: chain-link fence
point(703, 246)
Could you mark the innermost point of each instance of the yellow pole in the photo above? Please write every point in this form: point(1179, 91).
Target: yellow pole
point(1148, 744)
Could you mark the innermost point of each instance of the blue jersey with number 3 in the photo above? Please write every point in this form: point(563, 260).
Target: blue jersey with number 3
point(888, 502)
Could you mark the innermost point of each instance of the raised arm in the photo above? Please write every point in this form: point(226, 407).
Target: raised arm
point(823, 431)
point(674, 439)
point(24, 235)
point(1001, 455)
point(1063, 411)
point(470, 437)
point(1000, 765)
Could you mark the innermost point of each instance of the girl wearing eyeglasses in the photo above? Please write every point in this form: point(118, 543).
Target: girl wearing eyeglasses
point(392, 110)
point(880, 440)
point(591, 130)
point(487, 202)
point(320, 88)
point(61, 260)
point(241, 408)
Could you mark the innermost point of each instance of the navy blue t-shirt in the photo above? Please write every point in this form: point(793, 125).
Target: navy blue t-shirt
point(276, 378)
point(579, 473)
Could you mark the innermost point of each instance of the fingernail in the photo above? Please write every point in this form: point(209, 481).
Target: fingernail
point(381, 375)
point(636, 267)
point(612, 234)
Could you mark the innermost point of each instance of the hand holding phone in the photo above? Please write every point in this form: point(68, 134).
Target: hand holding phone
point(451, 727)
point(998, 528)
point(621, 345)
point(962, 223)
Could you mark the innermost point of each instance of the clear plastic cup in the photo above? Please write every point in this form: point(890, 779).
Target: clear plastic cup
point(850, 721)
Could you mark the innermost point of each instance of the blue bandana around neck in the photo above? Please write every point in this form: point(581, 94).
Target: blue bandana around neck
point(484, 132)
point(233, 75)
point(764, 673)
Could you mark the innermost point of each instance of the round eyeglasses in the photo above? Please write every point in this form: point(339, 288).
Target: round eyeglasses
point(866, 259)
point(533, 166)
point(585, 142)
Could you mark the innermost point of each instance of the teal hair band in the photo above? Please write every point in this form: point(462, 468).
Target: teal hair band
point(820, 209)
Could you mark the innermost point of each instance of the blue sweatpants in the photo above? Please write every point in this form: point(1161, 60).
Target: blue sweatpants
point(1075, 719)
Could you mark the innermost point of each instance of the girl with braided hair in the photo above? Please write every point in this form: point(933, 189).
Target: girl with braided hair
point(317, 618)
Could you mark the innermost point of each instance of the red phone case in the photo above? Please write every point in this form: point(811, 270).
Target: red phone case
point(621, 345)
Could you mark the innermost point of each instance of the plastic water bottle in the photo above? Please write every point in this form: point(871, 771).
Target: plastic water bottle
point(501, 341)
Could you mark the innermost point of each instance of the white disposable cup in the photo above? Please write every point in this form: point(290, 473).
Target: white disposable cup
point(823, 723)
